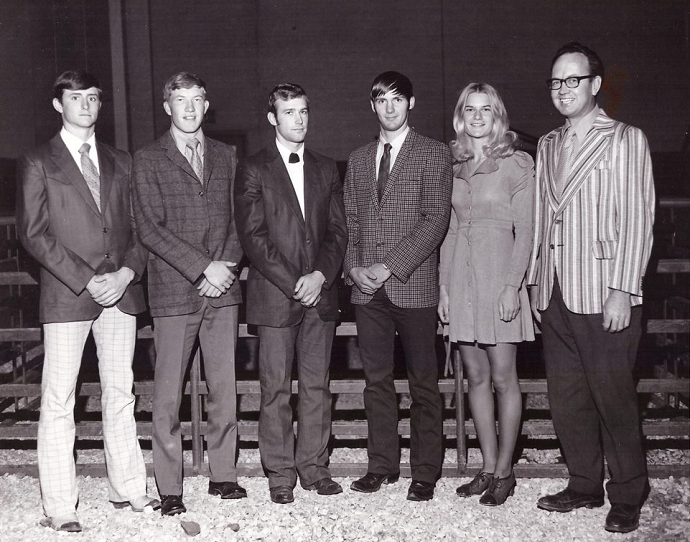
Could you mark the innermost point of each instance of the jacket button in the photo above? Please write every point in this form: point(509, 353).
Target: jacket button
point(308, 241)
point(379, 244)
point(551, 247)
point(107, 256)
point(105, 230)
point(559, 221)
point(208, 251)
point(201, 193)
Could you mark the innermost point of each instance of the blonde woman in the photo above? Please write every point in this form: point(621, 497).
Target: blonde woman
point(483, 262)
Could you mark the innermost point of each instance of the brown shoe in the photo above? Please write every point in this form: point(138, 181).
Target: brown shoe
point(227, 490)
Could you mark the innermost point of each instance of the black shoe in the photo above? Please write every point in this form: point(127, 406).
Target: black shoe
point(282, 494)
point(172, 505)
point(499, 490)
point(568, 500)
point(623, 518)
point(420, 491)
point(325, 486)
point(477, 486)
point(227, 490)
point(371, 482)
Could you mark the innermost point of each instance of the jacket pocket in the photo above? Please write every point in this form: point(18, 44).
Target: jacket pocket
point(604, 250)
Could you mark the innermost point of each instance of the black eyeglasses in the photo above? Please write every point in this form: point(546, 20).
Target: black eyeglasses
point(570, 82)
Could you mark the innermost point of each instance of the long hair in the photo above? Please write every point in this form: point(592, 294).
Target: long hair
point(501, 140)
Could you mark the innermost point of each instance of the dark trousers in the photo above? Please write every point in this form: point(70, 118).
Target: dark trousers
point(377, 322)
point(312, 340)
point(174, 338)
point(593, 400)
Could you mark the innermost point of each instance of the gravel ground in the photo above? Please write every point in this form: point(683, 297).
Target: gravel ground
point(383, 516)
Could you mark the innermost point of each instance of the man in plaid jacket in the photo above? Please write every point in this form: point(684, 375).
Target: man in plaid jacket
point(396, 219)
point(182, 191)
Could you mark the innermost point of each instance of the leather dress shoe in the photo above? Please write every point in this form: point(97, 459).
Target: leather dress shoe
point(65, 525)
point(282, 494)
point(420, 491)
point(227, 490)
point(568, 500)
point(477, 486)
point(371, 482)
point(623, 518)
point(325, 486)
point(172, 505)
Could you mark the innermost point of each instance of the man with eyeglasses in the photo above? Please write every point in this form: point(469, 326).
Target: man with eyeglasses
point(594, 215)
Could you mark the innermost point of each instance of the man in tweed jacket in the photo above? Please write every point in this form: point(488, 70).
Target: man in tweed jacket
point(182, 189)
point(396, 220)
point(594, 215)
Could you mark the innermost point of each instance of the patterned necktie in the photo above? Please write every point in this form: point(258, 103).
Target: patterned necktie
point(565, 161)
point(91, 176)
point(197, 166)
point(384, 169)
point(294, 158)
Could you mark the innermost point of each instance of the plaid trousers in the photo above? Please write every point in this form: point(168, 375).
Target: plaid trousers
point(114, 333)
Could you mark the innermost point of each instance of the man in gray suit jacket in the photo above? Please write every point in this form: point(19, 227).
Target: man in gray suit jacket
point(291, 222)
point(182, 191)
point(73, 217)
point(396, 221)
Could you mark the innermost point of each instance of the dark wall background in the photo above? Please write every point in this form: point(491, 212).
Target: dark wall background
point(334, 49)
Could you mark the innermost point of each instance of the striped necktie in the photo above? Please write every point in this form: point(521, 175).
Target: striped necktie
point(197, 165)
point(91, 176)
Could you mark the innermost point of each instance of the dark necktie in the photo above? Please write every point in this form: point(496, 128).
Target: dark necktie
point(294, 158)
point(384, 169)
point(195, 162)
point(91, 176)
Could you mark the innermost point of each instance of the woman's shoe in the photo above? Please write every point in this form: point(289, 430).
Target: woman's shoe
point(477, 486)
point(499, 490)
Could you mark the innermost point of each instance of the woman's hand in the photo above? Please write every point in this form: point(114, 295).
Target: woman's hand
point(443, 303)
point(508, 304)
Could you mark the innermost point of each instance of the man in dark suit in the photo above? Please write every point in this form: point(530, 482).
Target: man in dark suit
point(182, 191)
point(291, 223)
point(396, 220)
point(73, 217)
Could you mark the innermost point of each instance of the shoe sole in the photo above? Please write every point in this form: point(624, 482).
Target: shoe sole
point(565, 510)
point(623, 531)
point(419, 499)
point(217, 493)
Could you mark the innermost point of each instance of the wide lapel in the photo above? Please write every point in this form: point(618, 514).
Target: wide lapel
point(591, 151)
point(312, 176)
point(71, 172)
point(400, 162)
point(279, 176)
point(551, 151)
point(171, 151)
point(106, 166)
point(210, 155)
point(370, 174)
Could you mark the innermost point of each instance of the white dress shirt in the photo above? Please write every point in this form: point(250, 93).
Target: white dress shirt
point(296, 171)
point(73, 144)
point(396, 144)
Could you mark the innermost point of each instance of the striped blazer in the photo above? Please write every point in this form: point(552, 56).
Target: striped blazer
point(405, 229)
point(598, 235)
